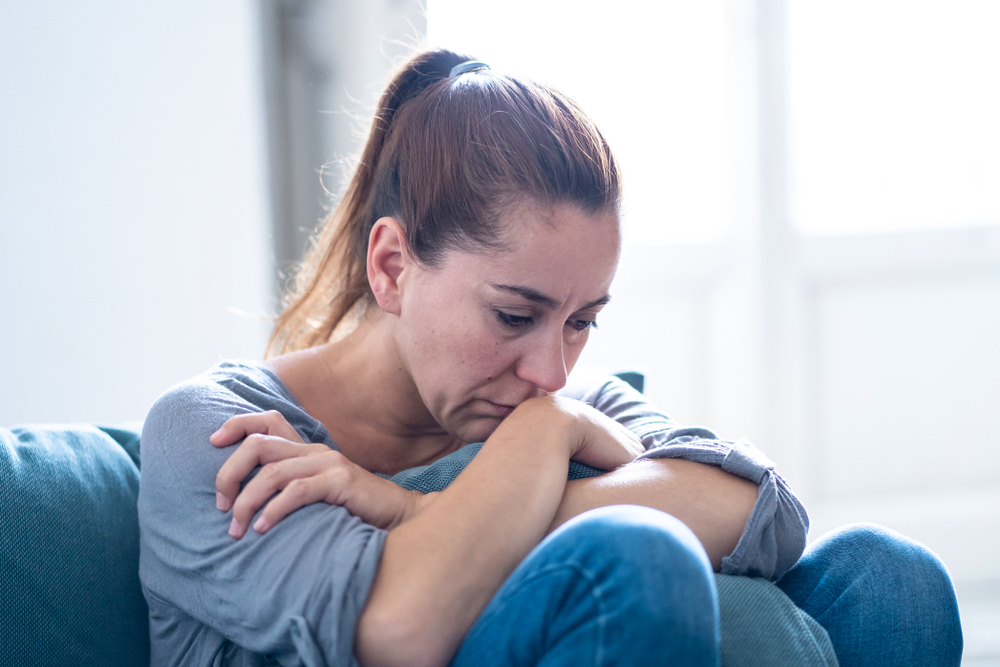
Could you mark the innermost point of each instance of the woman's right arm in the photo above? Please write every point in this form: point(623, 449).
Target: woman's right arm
point(440, 569)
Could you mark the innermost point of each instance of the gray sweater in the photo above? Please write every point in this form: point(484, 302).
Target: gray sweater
point(293, 596)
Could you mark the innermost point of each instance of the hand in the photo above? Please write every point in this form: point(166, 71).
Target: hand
point(294, 474)
point(594, 438)
point(604, 439)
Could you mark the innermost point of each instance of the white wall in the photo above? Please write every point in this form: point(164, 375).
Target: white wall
point(133, 210)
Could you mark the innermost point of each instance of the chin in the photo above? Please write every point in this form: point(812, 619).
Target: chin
point(479, 430)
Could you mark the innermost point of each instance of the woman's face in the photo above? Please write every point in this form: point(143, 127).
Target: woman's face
point(482, 332)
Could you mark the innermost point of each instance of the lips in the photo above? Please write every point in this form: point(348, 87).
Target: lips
point(498, 409)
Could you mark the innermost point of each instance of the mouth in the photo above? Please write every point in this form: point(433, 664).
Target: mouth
point(499, 409)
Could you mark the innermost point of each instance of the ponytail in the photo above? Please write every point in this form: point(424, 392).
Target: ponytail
point(332, 278)
point(446, 156)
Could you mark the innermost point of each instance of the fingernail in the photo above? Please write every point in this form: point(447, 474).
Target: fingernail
point(221, 502)
point(260, 525)
point(234, 529)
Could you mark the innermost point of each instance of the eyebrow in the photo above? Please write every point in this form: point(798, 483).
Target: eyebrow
point(552, 304)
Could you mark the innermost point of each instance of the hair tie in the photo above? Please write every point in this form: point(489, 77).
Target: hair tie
point(468, 66)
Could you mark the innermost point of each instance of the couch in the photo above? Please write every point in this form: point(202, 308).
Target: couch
point(69, 558)
point(69, 547)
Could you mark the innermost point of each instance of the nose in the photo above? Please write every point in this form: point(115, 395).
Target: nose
point(544, 363)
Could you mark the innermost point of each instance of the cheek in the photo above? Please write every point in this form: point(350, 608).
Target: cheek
point(458, 349)
point(482, 355)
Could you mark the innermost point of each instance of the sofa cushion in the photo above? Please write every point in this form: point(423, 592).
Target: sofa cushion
point(69, 560)
point(760, 625)
point(69, 547)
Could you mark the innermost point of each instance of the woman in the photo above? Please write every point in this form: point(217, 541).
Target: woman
point(444, 303)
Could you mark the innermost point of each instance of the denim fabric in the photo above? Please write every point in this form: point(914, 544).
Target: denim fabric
point(588, 596)
point(884, 599)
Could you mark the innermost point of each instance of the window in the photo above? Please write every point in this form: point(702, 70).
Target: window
point(893, 114)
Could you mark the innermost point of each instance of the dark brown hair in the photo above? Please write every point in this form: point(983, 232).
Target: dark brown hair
point(446, 157)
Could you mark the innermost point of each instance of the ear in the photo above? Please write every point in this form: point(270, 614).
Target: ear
point(388, 256)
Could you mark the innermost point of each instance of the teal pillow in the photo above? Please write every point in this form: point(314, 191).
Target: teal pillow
point(760, 625)
point(69, 547)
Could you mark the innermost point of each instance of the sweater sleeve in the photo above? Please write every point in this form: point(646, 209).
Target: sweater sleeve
point(293, 594)
point(775, 534)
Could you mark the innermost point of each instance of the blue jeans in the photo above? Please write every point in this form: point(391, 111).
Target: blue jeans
point(884, 599)
point(628, 585)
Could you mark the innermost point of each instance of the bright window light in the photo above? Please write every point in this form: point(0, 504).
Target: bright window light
point(651, 75)
point(894, 114)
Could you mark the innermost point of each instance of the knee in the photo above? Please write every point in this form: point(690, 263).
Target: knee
point(866, 550)
point(648, 549)
point(646, 566)
point(625, 577)
point(888, 583)
point(630, 534)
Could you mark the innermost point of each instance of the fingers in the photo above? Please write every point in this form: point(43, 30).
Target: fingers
point(298, 493)
point(271, 422)
point(607, 444)
point(256, 450)
point(301, 481)
point(631, 441)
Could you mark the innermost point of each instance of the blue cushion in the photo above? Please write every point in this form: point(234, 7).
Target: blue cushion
point(69, 558)
point(69, 547)
point(760, 625)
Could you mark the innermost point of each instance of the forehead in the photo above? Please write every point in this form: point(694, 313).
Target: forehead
point(559, 251)
point(529, 227)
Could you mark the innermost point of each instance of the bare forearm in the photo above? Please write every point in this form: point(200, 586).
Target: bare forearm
point(714, 504)
point(441, 568)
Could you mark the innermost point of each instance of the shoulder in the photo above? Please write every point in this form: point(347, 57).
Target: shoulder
point(174, 448)
point(200, 405)
point(234, 383)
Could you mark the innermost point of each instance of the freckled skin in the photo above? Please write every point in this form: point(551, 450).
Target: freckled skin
point(466, 363)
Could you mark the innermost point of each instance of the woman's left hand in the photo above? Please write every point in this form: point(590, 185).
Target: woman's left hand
point(294, 474)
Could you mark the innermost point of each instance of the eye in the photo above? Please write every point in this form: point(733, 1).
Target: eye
point(582, 325)
point(513, 321)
